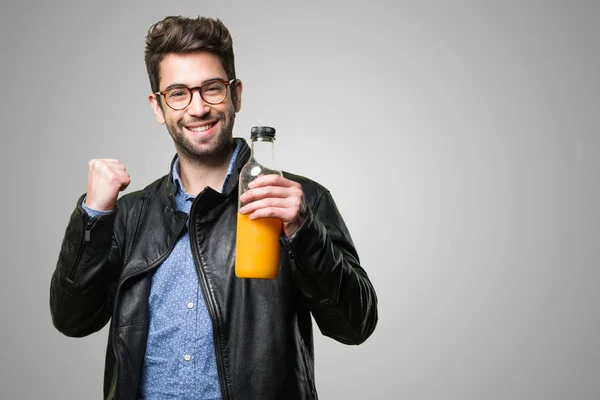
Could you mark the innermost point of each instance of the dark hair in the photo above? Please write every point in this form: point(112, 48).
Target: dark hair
point(177, 34)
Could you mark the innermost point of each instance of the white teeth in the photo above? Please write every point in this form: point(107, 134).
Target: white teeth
point(200, 128)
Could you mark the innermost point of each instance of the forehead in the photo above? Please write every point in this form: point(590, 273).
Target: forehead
point(190, 68)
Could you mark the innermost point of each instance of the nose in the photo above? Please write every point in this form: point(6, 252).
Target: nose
point(197, 107)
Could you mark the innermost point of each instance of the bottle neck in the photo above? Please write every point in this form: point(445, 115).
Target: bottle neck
point(263, 151)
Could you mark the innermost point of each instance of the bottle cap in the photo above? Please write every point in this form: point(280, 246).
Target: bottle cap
point(261, 132)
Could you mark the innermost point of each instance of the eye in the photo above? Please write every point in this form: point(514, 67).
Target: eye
point(213, 87)
point(177, 93)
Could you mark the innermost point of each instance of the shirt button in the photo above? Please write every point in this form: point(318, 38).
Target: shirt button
point(187, 357)
point(190, 305)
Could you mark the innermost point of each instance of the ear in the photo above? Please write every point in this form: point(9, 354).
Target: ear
point(237, 86)
point(156, 108)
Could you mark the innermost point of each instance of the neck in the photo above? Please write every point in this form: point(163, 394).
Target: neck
point(196, 174)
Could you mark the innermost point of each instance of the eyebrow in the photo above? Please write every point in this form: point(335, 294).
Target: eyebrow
point(181, 85)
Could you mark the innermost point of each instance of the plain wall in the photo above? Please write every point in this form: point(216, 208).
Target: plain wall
point(460, 140)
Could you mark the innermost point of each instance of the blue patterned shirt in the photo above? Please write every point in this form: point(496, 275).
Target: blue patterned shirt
point(180, 358)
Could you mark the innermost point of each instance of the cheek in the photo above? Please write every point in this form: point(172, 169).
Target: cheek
point(229, 113)
point(173, 118)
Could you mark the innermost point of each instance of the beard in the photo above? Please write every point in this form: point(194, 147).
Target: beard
point(215, 148)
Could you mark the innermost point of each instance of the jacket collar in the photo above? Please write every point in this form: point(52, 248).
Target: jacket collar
point(242, 158)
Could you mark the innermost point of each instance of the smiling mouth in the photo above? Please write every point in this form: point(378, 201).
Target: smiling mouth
point(201, 128)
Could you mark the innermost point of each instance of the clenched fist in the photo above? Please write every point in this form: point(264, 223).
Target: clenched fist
point(106, 178)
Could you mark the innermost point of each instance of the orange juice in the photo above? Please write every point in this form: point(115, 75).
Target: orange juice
point(257, 247)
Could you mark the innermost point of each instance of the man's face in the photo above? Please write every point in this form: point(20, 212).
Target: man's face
point(200, 131)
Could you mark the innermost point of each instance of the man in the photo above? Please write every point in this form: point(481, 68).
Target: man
point(159, 263)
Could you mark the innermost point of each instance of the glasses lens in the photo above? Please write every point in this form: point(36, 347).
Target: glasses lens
point(214, 92)
point(178, 98)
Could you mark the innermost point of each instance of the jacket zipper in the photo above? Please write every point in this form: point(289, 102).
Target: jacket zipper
point(91, 223)
point(122, 280)
point(210, 302)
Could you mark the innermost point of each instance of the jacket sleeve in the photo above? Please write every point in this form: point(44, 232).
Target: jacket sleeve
point(326, 269)
point(84, 282)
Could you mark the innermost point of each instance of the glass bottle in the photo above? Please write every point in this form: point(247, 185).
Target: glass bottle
point(257, 241)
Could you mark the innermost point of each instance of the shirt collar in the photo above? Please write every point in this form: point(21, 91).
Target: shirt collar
point(179, 189)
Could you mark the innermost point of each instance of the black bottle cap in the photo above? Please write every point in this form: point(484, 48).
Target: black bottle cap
point(262, 131)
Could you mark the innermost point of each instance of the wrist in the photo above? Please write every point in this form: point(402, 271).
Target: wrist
point(94, 211)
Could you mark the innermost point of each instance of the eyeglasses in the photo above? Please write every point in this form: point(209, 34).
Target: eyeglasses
point(212, 92)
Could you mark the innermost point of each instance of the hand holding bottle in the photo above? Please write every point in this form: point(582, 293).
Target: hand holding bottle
point(273, 196)
point(106, 178)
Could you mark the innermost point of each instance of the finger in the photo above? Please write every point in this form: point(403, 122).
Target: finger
point(264, 192)
point(269, 203)
point(121, 178)
point(112, 170)
point(124, 184)
point(113, 176)
point(122, 175)
point(286, 215)
point(101, 165)
point(272, 180)
point(117, 167)
point(275, 191)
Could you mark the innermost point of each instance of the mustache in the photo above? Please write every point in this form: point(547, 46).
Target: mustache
point(213, 115)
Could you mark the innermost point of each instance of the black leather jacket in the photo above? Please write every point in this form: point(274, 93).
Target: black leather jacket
point(262, 328)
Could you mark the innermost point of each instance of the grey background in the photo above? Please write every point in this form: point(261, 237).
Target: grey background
point(459, 139)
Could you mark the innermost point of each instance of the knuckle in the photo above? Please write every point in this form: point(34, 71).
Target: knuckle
point(111, 176)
